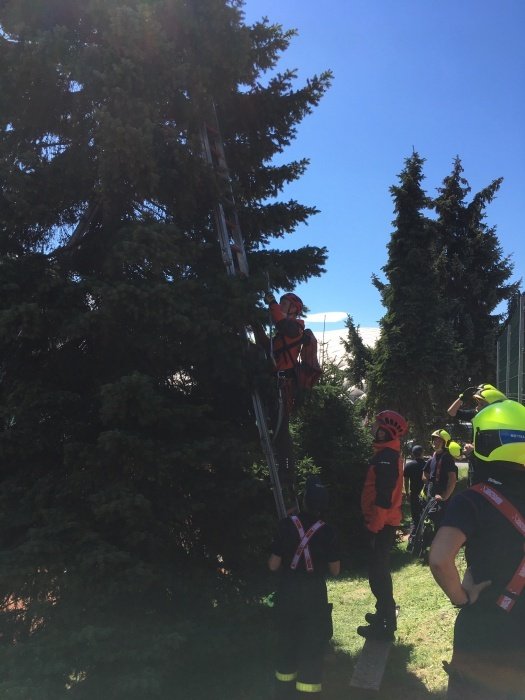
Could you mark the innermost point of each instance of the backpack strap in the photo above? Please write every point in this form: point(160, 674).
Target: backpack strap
point(517, 583)
point(304, 538)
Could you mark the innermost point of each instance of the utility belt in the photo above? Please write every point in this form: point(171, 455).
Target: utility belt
point(286, 373)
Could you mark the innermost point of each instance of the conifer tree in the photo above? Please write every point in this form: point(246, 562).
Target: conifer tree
point(358, 355)
point(473, 273)
point(129, 509)
point(329, 432)
point(415, 354)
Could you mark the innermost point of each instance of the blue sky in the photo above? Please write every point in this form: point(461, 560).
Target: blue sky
point(443, 77)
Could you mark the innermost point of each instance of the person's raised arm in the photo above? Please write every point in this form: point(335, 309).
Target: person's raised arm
point(454, 408)
point(465, 395)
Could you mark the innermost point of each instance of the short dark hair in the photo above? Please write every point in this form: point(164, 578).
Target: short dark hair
point(315, 495)
point(417, 451)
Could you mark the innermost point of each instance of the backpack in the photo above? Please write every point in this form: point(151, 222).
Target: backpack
point(307, 369)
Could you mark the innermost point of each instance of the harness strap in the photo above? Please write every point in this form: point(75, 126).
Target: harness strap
point(303, 549)
point(517, 583)
point(286, 348)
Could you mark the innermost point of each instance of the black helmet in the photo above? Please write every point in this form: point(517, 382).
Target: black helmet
point(417, 450)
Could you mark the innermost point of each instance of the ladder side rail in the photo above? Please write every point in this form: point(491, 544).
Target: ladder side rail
point(224, 239)
point(267, 446)
point(520, 348)
point(221, 225)
point(216, 157)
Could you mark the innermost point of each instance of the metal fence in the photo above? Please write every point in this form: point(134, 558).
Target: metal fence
point(510, 348)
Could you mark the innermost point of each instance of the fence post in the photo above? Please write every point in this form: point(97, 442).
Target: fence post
point(520, 351)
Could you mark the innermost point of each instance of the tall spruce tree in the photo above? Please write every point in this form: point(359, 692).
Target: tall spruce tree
point(415, 354)
point(359, 355)
point(128, 508)
point(473, 273)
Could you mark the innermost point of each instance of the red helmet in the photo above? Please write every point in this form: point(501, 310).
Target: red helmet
point(392, 422)
point(296, 304)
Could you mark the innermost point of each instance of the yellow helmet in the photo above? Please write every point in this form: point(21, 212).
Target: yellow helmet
point(442, 434)
point(499, 432)
point(454, 448)
point(489, 394)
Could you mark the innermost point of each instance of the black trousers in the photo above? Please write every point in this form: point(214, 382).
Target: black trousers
point(304, 626)
point(415, 508)
point(379, 575)
point(488, 659)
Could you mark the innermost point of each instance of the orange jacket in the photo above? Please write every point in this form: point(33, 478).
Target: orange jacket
point(286, 343)
point(382, 492)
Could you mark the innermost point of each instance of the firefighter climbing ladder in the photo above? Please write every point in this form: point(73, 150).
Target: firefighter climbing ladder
point(234, 257)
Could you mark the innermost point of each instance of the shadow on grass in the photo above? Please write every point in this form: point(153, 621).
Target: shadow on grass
point(398, 682)
point(244, 670)
point(255, 680)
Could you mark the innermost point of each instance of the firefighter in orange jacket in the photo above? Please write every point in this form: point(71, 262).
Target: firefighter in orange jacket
point(381, 506)
point(284, 349)
point(286, 344)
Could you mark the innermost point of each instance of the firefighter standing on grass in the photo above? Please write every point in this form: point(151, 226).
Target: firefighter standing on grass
point(440, 473)
point(488, 660)
point(304, 551)
point(413, 478)
point(381, 506)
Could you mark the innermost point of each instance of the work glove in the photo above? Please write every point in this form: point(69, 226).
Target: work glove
point(467, 394)
point(269, 298)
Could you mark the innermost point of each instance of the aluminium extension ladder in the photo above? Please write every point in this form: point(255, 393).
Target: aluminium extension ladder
point(234, 257)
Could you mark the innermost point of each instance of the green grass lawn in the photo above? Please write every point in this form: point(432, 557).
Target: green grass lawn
point(423, 641)
point(414, 670)
point(424, 636)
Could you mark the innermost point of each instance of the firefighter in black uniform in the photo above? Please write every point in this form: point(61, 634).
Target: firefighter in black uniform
point(488, 660)
point(304, 551)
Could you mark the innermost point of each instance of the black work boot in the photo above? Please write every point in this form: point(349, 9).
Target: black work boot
point(380, 631)
point(372, 617)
